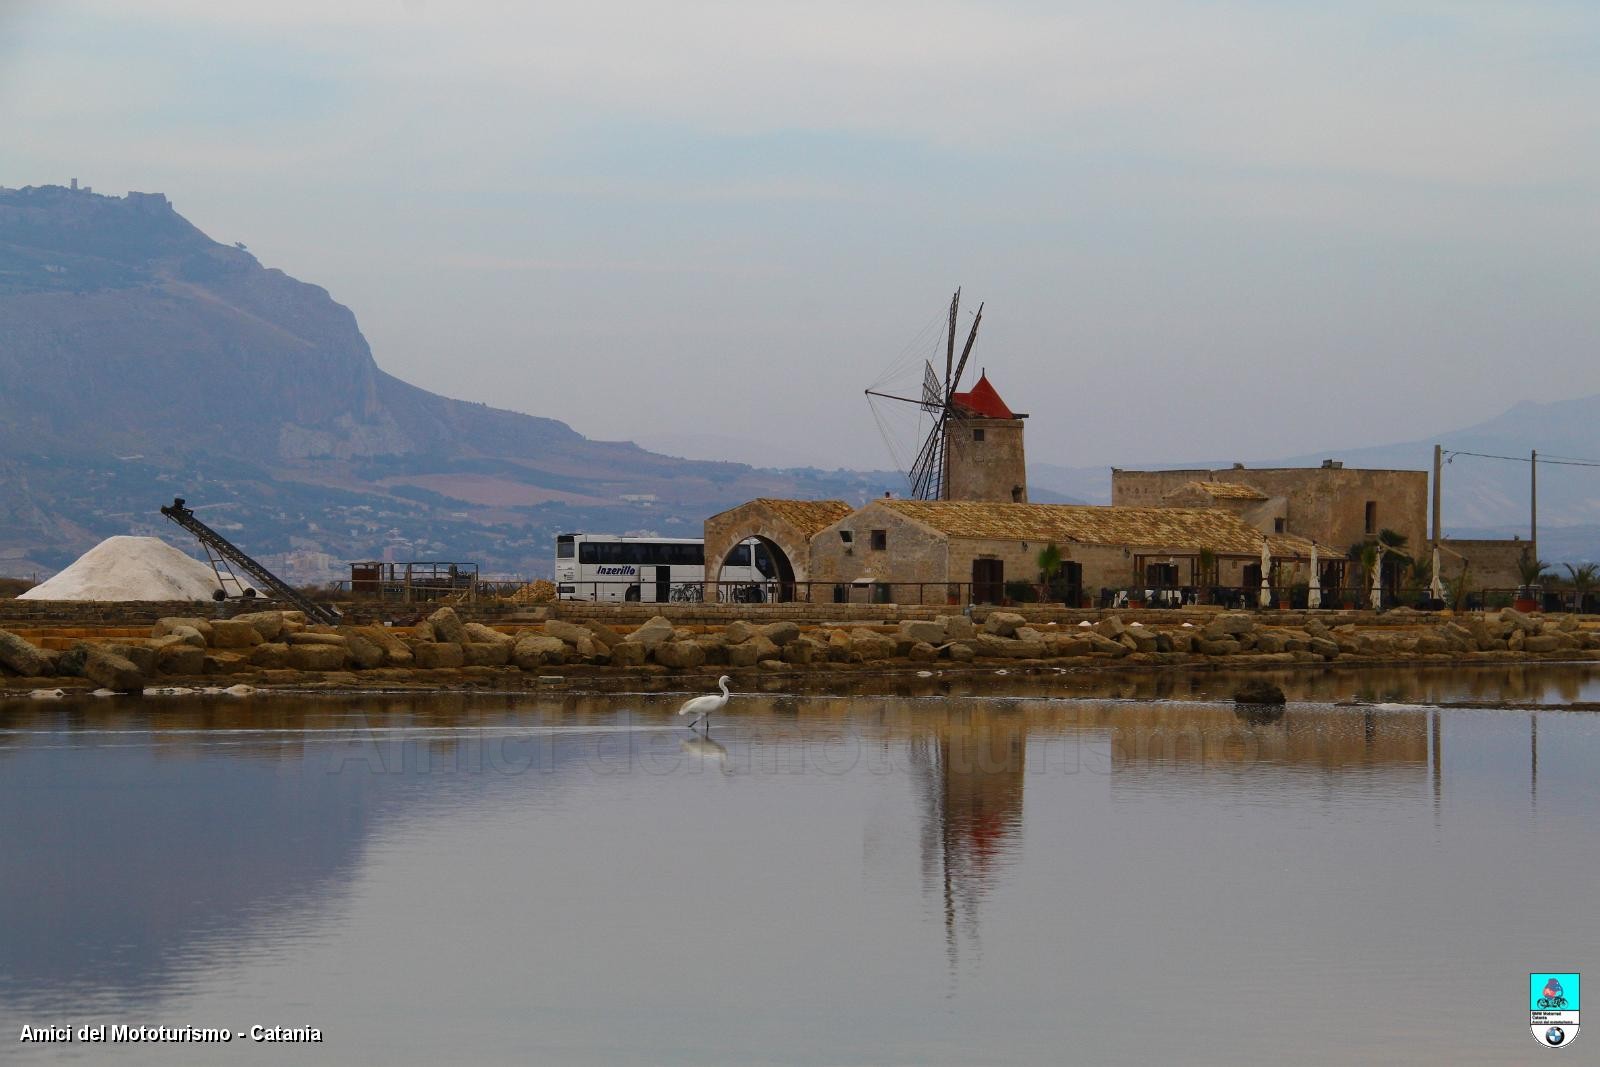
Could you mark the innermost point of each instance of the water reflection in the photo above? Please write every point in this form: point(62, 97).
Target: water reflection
point(156, 853)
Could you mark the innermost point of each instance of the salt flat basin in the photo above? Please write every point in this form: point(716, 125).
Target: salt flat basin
point(929, 873)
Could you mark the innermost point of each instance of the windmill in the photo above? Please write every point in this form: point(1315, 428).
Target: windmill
point(926, 474)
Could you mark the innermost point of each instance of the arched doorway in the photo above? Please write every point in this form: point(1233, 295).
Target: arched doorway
point(757, 570)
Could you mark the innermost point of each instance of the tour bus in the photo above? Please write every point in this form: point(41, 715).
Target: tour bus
point(656, 570)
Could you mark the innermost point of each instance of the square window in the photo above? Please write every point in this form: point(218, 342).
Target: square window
point(977, 435)
point(1372, 516)
point(1278, 525)
point(880, 540)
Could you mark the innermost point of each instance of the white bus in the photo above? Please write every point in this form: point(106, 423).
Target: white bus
point(656, 570)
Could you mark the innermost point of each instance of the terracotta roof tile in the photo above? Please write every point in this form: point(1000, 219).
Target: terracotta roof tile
point(1149, 527)
point(1223, 490)
point(807, 516)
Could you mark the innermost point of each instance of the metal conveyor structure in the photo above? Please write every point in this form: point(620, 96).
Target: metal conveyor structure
point(219, 548)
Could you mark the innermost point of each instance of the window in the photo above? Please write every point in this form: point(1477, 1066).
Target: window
point(880, 540)
point(846, 536)
point(1372, 516)
point(564, 547)
point(1278, 525)
point(764, 562)
point(977, 435)
point(739, 557)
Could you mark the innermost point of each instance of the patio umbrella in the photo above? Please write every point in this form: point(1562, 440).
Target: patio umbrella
point(1436, 587)
point(1377, 580)
point(1266, 569)
point(1314, 596)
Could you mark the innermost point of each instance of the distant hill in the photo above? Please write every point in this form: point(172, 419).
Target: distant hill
point(143, 360)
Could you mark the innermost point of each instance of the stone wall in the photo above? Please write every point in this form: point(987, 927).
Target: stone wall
point(912, 553)
point(1326, 504)
point(1493, 563)
point(723, 532)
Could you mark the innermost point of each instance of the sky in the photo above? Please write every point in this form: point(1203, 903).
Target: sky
point(1199, 229)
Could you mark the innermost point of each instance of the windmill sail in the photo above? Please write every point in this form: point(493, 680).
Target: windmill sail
point(932, 391)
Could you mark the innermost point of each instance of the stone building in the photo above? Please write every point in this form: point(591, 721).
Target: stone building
point(784, 527)
point(1331, 504)
point(939, 552)
point(983, 454)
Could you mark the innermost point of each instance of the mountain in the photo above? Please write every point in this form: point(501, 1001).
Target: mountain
point(1482, 496)
point(143, 360)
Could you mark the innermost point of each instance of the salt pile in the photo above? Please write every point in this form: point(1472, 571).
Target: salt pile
point(130, 568)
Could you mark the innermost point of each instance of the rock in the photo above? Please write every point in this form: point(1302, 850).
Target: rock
point(396, 653)
point(269, 624)
point(143, 659)
point(1220, 646)
point(921, 630)
point(653, 632)
point(488, 635)
point(1517, 641)
point(840, 648)
point(626, 653)
point(1234, 624)
point(184, 658)
point(432, 655)
point(322, 657)
point(423, 631)
point(714, 647)
point(958, 627)
point(365, 654)
point(485, 653)
point(681, 655)
point(959, 651)
point(224, 662)
point(163, 627)
point(110, 671)
point(1143, 640)
point(923, 652)
point(534, 650)
point(744, 654)
point(773, 665)
point(231, 633)
point(1104, 646)
point(872, 646)
point(1541, 643)
point(20, 657)
point(315, 637)
point(447, 626)
point(738, 632)
point(1324, 647)
point(1070, 645)
point(604, 634)
point(1111, 627)
point(1513, 617)
point(781, 633)
point(271, 656)
point(991, 646)
point(1003, 623)
point(1258, 691)
point(1432, 644)
point(569, 632)
point(800, 652)
point(1267, 641)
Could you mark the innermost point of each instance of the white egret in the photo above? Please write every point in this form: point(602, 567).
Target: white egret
point(702, 707)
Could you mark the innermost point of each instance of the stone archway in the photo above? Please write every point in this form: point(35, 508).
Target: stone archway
point(783, 527)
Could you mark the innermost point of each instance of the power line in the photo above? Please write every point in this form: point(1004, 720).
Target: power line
point(1451, 454)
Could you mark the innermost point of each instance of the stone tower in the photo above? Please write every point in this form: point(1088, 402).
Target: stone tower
point(983, 457)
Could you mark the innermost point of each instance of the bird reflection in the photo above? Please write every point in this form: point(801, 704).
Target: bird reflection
point(706, 750)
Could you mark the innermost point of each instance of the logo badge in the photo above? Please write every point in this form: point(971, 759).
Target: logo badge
point(1553, 1007)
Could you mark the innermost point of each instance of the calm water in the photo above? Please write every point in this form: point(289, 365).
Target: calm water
point(919, 876)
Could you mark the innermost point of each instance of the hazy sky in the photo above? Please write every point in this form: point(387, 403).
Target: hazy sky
point(1202, 229)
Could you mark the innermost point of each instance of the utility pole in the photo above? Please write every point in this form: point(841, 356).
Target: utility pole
point(1438, 469)
point(1533, 502)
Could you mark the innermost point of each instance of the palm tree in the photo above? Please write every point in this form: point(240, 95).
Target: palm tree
point(1531, 570)
point(1584, 578)
point(1049, 566)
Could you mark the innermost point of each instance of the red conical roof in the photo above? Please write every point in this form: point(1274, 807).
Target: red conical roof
point(983, 401)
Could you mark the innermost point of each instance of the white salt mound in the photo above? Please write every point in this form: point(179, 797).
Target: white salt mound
point(130, 568)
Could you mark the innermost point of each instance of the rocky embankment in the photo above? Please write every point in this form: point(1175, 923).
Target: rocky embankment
point(280, 648)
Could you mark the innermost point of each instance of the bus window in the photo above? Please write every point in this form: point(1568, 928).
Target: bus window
point(564, 546)
point(764, 562)
point(739, 557)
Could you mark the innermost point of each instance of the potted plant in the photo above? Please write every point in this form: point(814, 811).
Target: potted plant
point(1531, 571)
point(1049, 567)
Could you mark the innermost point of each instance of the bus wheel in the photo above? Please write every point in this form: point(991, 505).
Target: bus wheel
point(632, 594)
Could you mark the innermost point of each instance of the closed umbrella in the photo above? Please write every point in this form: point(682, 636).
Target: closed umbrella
point(1377, 580)
point(1436, 587)
point(1314, 596)
point(1266, 569)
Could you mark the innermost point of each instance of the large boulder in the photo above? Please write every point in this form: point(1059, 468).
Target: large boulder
point(679, 654)
point(269, 624)
point(141, 656)
point(869, 645)
point(1003, 623)
point(1232, 625)
point(603, 634)
point(365, 653)
point(840, 648)
point(628, 654)
point(183, 658)
point(569, 632)
point(653, 632)
point(534, 650)
point(1325, 647)
point(163, 627)
point(232, 633)
point(396, 653)
point(1541, 643)
point(447, 627)
point(1111, 626)
point(958, 627)
point(781, 633)
point(1217, 646)
point(270, 656)
point(430, 655)
point(744, 654)
point(802, 651)
point(738, 632)
point(316, 637)
point(1069, 645)
point(922, 652)
point(488, 635)
point(20, 657)
point(486, 654)
point(317, 657)
point(110, 671)
point(924, 631)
